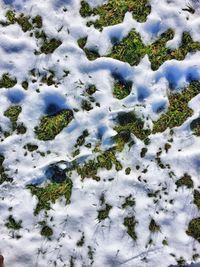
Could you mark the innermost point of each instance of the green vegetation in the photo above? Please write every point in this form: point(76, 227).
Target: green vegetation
point(113, 11)
point(197, 198)
point(3, 176)
point(130, 224)
point(90, 53)
point(104, 213)
point(46, 231)
point(31, 147)
point(13, 113)
point(6, 81)
point(129, 123)
point(52, 125)
point(131, 49)
point(121, 88)
point(195, 126)
point(21, 20)
point(104, 160)
point(186, 180)
point(25, 85)
point(129, 202)
point(50, 45)
point(143, 152)
point(50, 193)
point(178, 111)
point(153, 226)
point(13, 224)
point(194, 229)
point(91, 89)
point(37, 21)
point(81, 139)
point(81, 242)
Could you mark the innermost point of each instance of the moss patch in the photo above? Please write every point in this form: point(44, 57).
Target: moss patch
point(113, 11)
point(104, 213)
point(50, 193)
point(13, 224)
point(13, 113)
point(129, 202)
point(178, 111)
point(194, 229)
point(122, 88)
point(186, 180)
point(46, 231)
point(50, 45)
point(3, 176)
point(52, 125)
point(130, 223)
point(7, 81)
point(195, 126)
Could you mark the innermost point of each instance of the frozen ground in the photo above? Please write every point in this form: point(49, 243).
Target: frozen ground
point(132, 210)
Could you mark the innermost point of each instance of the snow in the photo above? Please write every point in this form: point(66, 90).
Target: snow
point(108, 239)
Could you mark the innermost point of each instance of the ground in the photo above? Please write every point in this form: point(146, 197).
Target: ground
point(99, 130)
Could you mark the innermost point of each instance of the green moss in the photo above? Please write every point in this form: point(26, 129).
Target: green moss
point(46, 231)
point(153, 226)
point(129, 202)
point(81, 139)
point(104, 213)
point(91, 89)
point(113, 11)
point(50, 45)
point(129, 123)
point(194, 229)
point(197, 198)
point(178, 111)
point(52, 125)
point(3, 176)
point(7, 81)
point(22, 20)
point(50, 193)
point(130, 223)
point(13, 113)
point(10, 15)
point(13, 224)
point(195, 126)
point(186, 180)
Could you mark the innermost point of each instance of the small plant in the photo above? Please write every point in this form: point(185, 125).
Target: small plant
point(130, 223)
point(104, 213)
point(186, 180)
point(194, 229)
point(13, 224)
point(46, 231)
point(52, 125)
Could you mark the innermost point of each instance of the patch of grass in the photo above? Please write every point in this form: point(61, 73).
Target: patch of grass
point(7, 81)
point(3, 176)
point(13, 224)
point(186, 180)
point(13, 113)
point(103, 160)
point(130, 223)
point(50, 193)
point(46, 231)
point(81, 139)
point(91, 54)
point(194, 229)
point(113, 11)
point(86, 105)
point(81, 242)
point(129, 202)
point(37, 21)
point(178, 111)
point(91, 89)
point(195, 126)
point(121, 88)
point(52, 125)
point(197, 198)
point(22, 20)
point(153, 226)
point(129, 123)
point(31, 147)
point(104, 213)
point(50, 45)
